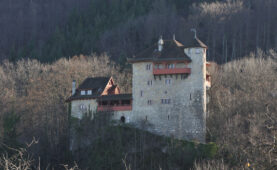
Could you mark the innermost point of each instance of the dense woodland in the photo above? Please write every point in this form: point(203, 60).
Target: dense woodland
point(49, 30)
point(43, 42)
point(241, 118)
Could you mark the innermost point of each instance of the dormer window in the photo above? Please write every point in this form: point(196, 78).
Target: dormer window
point(89, 92)
point(83, 92)
point(99, 90)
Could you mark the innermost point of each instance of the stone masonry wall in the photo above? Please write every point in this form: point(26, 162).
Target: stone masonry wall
point(185, 116)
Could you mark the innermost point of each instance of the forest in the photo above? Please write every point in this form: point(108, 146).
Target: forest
point(49, 30)
point(47, 44)
point(241, 120)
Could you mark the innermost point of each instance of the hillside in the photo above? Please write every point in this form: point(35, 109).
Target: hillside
point(241, 113)
point(231, 29)
point(48, 44)
point(114, 147)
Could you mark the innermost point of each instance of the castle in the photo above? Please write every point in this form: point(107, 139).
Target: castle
point(168, 97)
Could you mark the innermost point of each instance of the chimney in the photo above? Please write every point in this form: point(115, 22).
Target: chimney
point(73, 87)
point(160, 44)
point(195, 32)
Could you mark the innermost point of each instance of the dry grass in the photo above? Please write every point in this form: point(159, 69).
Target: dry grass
point(210, 165)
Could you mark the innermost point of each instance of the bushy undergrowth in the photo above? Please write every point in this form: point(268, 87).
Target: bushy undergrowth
point(110, 145)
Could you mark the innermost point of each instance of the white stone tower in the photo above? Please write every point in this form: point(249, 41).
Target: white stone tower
point(169, 89)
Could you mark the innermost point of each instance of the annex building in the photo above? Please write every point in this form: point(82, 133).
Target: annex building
point(169, 84)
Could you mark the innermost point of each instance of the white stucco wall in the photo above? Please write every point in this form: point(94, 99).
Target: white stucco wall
point(77, 112)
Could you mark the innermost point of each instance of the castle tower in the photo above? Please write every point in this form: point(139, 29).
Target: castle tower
point(169, 89)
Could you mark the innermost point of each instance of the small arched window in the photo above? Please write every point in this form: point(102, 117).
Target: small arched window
point(122, 119)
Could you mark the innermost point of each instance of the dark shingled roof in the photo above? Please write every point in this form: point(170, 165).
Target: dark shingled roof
point(78, 96)
point(172, 50)
point(95, 84)
point(195, 42)
point(115, 97)
point(191, 41)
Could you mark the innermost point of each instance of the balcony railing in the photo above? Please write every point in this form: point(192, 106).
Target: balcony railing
point(114, 108)
point(171, 71)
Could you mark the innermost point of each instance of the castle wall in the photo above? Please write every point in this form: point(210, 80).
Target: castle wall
point(184, 117)
point(76, 110)
point(127, 114)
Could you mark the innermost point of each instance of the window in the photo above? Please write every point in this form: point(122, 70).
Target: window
point(148, 67)
point(83, 92)
point(149, 102)
point(157, 66)
point(82, 107)
point(167, 81)
point(165, 101)
point(198, 51)
point(186, 65)
point(141, 93)
point(170, 66)
point(122, 119)
point(149, 82)
point(184, 76)
point(89, 92)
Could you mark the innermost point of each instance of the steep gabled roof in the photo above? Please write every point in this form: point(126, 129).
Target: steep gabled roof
point(172, 50)
point(95, 84)
point(110, 90)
